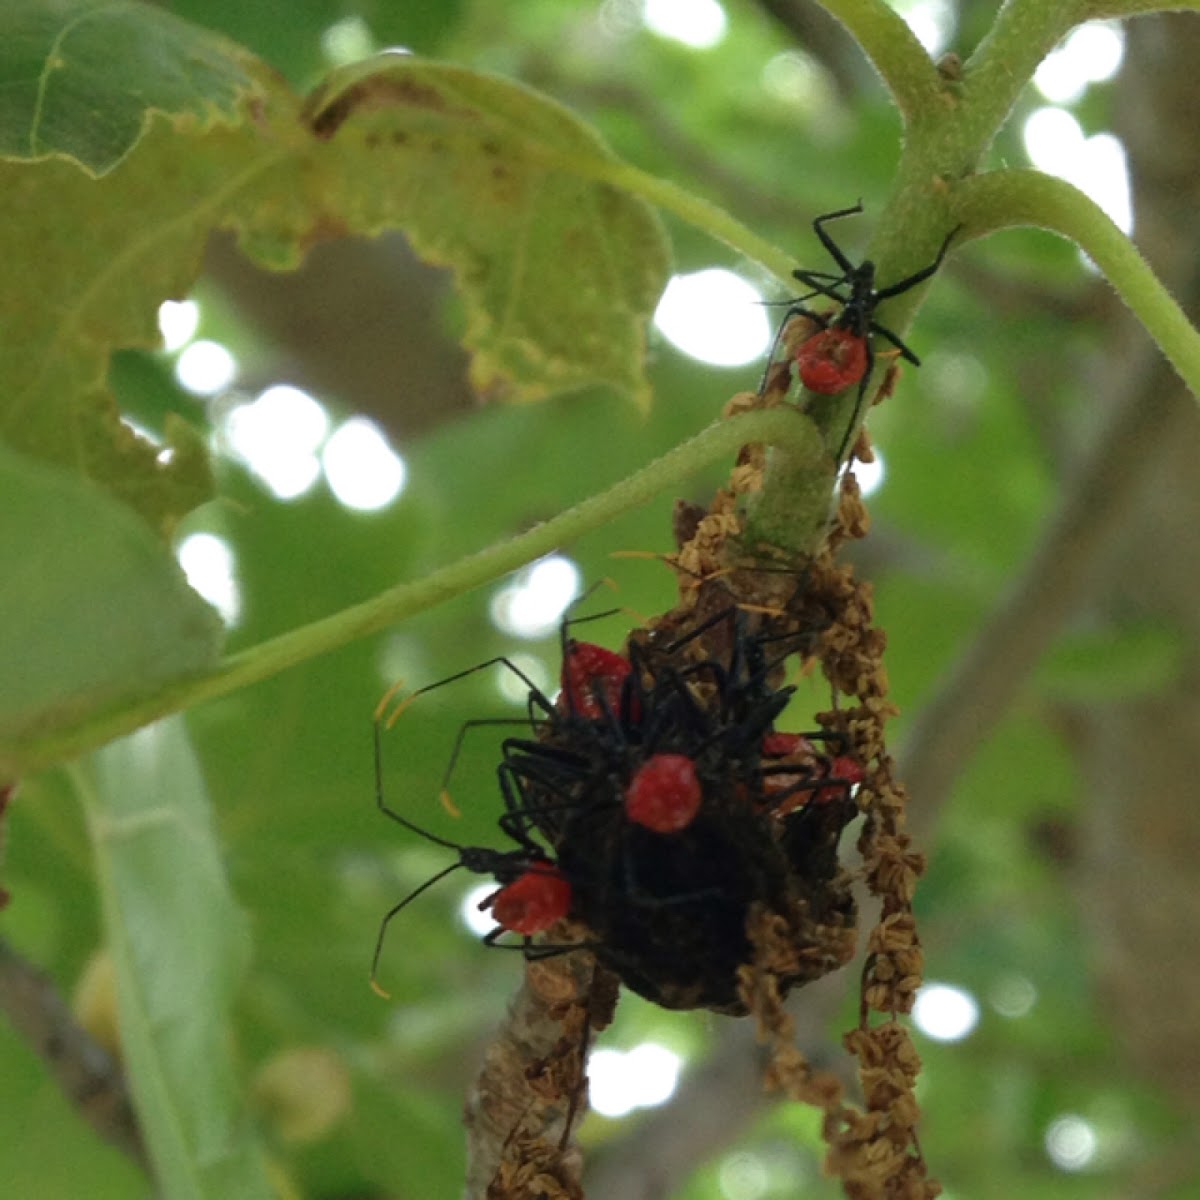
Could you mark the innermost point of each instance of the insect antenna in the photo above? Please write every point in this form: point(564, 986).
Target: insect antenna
point(382, 804)
point(376, 986)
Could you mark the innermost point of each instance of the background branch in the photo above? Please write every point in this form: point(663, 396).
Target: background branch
point(1058, 576)
point(84, 1071)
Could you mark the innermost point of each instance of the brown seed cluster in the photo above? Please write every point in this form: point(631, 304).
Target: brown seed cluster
point(873, 1150)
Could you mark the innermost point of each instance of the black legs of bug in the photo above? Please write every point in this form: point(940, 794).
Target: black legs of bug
point(832, 358)
point(873, 327)
point(918, 276)
point(835, 251)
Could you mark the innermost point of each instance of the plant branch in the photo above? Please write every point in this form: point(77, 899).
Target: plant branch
point(1057, 577)
point(84, 1070)
point(893, 50)
point(1024, 32)
point(1004, 199)
point(789, 432)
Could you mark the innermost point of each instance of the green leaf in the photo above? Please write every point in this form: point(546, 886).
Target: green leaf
point(83, 78)
point(90, 259)
point(180, 946)
point(93, 609)
point(559, 272)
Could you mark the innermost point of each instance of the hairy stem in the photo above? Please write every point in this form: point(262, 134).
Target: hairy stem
point(789, 432)
point(1004, 199)
point(894, 52)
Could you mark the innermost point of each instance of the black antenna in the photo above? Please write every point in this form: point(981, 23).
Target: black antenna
point(391, 812)
point(504, 865)
point(374, 980)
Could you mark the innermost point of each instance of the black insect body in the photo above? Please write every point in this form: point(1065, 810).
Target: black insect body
point(840, 352)
point(669, 912)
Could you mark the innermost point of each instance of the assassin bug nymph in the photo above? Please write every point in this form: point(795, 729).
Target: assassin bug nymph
point(840, 352)
point(532, 893)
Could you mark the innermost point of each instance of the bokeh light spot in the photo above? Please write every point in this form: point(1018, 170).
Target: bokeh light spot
point(1090, 54)
point(533, 603)
point(347, 41)
point(945, 1013)
point(931, 21)
point(277, 436)
point(178, 321)
point(479, 921)
point(700, 24)
point(205, 368)
point(1013, 996)
point(361, 468)
point(1071, 1142)
point(715, 317)
point(1096, 165)
point(515, 689)
point(743, 1177)
point(209, 564)
point(619, 1082)
point(870, 475)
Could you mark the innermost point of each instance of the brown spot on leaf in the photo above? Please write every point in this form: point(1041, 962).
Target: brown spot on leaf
point(373, 94)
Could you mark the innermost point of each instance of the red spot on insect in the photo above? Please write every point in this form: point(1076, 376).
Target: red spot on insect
point(847, 772)
point(592, 680)
point(532, 902)
point(832, 360)
point(844, 767)
point(786, 745)
point(787, 790)
point(664, 794)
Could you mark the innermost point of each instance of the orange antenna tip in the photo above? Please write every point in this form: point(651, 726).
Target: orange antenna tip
point(400, 709)
point(381, 707)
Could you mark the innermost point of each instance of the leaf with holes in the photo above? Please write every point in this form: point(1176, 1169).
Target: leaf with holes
point(559, 271)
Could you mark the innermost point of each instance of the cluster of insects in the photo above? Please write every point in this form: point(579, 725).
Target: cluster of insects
point(653, 811)
point(654, 808)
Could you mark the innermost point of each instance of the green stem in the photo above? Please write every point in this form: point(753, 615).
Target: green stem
point(1004, 199)
point(792, 434)
point(1024, 32)
point(1100, 10)
point(893, 50)
point(714, 221)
